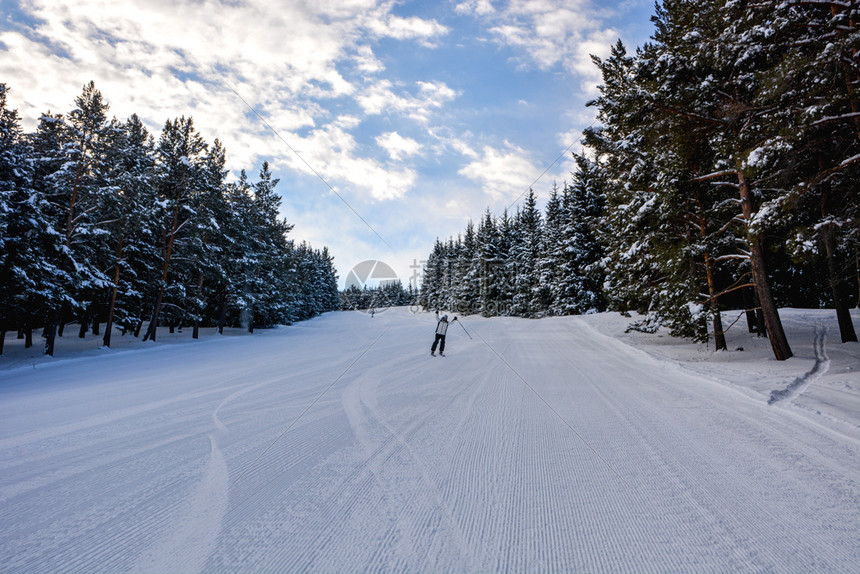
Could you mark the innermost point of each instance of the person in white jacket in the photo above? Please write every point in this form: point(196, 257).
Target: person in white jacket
point(441, 330)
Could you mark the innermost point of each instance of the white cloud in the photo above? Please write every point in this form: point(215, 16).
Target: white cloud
point(412, 28)
point(163, 58)
point(479, 7)
point(398, 146)
point(504, 174)
point(366, 60)
point(551, 33)
point(380, 98)
point(436, 93)
point(331, 151)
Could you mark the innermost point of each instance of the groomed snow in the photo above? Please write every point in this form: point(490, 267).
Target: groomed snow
point(341, 445)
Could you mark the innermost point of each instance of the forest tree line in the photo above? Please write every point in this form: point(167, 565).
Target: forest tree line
point(100, 223)
point(723, 174)
point(380, 297)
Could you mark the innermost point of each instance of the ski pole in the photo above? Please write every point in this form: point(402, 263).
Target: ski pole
point(461, 324)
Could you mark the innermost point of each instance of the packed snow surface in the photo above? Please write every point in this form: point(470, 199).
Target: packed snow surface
point(341, 445)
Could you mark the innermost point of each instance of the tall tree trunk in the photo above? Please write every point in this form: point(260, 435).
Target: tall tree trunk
point(62, 326)
point(750, 306)
point(719, 335)
point(843, 313)
point(714, 304)
point(168, 252)
point(153, 322)
point(51, 331)
point(761, 328)
point(857, 272)
point(113, 292)
point(83, 322)
point(776, 334)
point(196, 332)
point(96, 318)
point(222, 311)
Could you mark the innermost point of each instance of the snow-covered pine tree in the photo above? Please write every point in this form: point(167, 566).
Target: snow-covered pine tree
point(432, 278)
point(450, 275)
point(54, 285)
point(547, 271)
point(726, 62)
point(633, 272)
point(90, 191)
point(205, 238)
point(240, 257)
point(327, 282)
point(650, 263)
point(468, 282)
point(180, 156)
point(816, 158)
point(21, 222)
point(490, 265)
point(272, 247)
point(578, 287)
point(67, 164)
point(525, 253)
point(129, 211)
point(508, 237)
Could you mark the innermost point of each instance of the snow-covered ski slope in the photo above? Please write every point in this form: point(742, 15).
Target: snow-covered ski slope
point(341, 445)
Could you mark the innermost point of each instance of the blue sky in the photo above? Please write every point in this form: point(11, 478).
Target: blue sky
point(419, 114)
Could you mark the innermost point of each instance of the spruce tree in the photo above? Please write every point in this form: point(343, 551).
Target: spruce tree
point(22, 223)
point(129, 209)
point(525, 254)
point(180, 154)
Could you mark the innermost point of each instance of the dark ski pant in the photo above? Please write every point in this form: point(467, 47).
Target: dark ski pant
point(440, 340)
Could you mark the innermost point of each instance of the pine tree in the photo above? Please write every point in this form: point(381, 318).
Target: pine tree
point(632, 270)
point(21, 223)
point(271, 247)
point(547, 271)
point(468, 287)
point(579, 286)
point(180, 154)
point(205, 239)
point(129, 209)
point(490, 266)
point(432, 282)
point(697, 82)
point(525, 253)
point(817, 157)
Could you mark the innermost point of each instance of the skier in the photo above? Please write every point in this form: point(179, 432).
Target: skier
point(441, 330)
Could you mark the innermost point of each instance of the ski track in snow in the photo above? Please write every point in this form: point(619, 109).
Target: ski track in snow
point(799, 385)
point(186, 544)
point(604, 460)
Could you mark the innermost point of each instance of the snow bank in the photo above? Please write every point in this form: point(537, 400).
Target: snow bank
point(831, 374)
